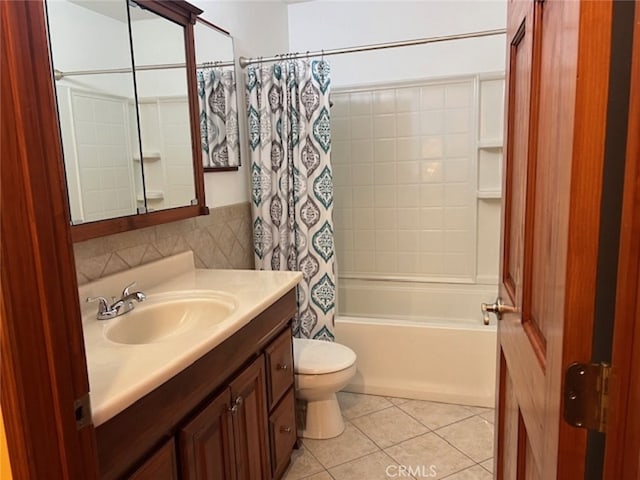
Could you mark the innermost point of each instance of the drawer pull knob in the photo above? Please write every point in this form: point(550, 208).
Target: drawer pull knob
point(282, 366)
point(285, 429)
point(236, 404)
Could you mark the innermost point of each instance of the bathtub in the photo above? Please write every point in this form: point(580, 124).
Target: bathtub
point(421, 341)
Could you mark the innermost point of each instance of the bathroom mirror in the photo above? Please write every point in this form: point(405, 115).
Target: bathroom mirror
point(128, 112)
point(217, 97)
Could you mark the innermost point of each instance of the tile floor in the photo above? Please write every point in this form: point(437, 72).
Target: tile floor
point(389, 437)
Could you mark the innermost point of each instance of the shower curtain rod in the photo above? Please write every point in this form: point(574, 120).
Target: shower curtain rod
point(244, 62)
point(163, 66)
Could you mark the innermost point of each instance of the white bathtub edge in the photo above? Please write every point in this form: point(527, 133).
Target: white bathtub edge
point(400, 391)
point(422, 362)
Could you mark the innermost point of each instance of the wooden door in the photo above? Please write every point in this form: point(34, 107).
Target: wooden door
point(557, 83)
point(206, 443)
point(622, 456)
point(249, 412)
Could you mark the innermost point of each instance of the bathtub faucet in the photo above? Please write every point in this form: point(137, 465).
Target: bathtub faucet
point(119, 307)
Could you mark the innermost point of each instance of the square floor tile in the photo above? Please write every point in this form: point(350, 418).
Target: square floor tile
point(490, 416)
point(488, 465)
point(474, 473)
point(378, 465)
point(389, 426)
point(351, 444)
point(397, 400)
point(435, 415)
point(429, 453)
point(354, 405)
point(478, 410)
point(473, 436)
point(319, 476)
point(302, 465)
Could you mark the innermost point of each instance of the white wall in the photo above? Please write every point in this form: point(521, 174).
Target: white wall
point(79, 26)
point(265, 28)
point(157, 41)
point(337, 24)
point(258, 29)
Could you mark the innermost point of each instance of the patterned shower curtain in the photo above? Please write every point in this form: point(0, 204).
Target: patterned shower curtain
point(218, 117)
point(292, 185)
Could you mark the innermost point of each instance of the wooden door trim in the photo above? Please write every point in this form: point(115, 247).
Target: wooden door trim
point(623, 438)
point(590, 117)
point(43, 365)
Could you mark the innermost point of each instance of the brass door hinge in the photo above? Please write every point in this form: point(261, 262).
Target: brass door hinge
point(82, 411)
point(586, 395)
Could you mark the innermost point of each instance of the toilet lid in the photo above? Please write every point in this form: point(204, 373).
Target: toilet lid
point(314, 357)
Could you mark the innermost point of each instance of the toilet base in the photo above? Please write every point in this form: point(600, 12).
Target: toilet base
point(324, 419)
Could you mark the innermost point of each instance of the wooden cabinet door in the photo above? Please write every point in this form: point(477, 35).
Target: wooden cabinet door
point(557, 74)
point(206, 443)
point(160, 466)
point(249, 412)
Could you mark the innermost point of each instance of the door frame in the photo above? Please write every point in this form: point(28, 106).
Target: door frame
point(43, 364)
point(622, 447)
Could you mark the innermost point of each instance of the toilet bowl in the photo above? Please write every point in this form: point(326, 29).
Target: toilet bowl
point(321, 369)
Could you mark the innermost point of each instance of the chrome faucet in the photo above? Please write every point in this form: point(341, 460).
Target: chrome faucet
point(118, 307)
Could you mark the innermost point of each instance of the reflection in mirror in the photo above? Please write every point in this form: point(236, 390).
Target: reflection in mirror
point(95, 110)
point(217, 97)
point(166, 157)
point(126, 135)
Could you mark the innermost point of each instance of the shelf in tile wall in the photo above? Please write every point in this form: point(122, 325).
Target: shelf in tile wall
point(489, 194)
point(148, 157)
point(491, 143)
point(151, 195)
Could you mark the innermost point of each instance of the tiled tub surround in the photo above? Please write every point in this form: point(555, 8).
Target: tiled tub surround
point(95, 127)
point(222, 239)
point(166, 150)
point(417, 172)
point(384, 433)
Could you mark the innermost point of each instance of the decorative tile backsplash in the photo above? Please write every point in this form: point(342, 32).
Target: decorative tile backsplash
point(222, 239)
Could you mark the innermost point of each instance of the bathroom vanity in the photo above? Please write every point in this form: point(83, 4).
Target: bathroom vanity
point(199, 400)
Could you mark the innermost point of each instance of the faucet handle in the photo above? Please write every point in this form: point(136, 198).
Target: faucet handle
point(126, 291)
point(103, 303)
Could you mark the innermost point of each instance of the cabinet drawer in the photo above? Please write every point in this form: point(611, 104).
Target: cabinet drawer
point(282, 431)
point(279, 367)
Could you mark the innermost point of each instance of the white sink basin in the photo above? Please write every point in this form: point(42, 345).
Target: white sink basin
point(165, 316)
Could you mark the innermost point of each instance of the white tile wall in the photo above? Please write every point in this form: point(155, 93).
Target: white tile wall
point(489, 177)
point(406, 156)
point(102, 142)
point(491, 107)
point(165, 130)
point(177, 156)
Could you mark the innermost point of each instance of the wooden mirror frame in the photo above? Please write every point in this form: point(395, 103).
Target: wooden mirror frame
point(184, 14)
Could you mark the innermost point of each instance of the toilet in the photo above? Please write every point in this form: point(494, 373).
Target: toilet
point(321, 369)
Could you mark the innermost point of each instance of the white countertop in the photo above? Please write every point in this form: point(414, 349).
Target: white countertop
point(120, 374)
